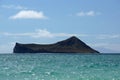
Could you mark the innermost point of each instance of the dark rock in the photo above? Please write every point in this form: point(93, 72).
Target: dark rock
point(70, 45)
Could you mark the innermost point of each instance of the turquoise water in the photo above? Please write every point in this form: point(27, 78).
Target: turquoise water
point(59, 67)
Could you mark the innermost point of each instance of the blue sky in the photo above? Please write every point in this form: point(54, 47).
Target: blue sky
point(96, 22)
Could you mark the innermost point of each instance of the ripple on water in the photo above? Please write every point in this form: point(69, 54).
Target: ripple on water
point(59, 67)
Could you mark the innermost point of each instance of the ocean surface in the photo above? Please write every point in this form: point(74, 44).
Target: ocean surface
point(59, 67)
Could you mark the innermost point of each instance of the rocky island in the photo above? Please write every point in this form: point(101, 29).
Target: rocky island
point(70, 45)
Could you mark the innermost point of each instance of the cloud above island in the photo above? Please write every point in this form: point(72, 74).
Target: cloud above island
point(44, 33)
point(29, 14)
point(38, 33)
point(41, 33)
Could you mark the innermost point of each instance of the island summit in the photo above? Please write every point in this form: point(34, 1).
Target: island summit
point(70, 45)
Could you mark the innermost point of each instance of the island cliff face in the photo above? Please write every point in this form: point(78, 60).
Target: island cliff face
point(70, 45)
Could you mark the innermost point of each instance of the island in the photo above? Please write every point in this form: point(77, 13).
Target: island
point(70, 45)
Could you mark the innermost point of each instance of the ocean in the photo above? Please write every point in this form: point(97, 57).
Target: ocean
point(59, 67)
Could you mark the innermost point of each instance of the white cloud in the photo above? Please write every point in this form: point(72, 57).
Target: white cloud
point(47, 34)
point(42, 33)
point(37, 34)
point(13, 7)
point(6, 48)
point(29, 14)
point(89, 13)
point(114, 47)
point(108, 36)
point(99, 44)
point(81, 14)
point(107, 46)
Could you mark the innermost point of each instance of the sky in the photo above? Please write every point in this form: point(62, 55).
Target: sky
point(95, 22)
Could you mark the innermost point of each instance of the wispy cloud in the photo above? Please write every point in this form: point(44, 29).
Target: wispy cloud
point(29, 14)
point(89, 13)
point(47, 34)
point(106, 36)
point(99, 44)
point(107, 46)
point(7, 47)
point(42, 33)
point(13, 7)
point(114, 47)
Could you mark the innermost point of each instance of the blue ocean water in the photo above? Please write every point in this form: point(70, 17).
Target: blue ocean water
point(59, 67)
